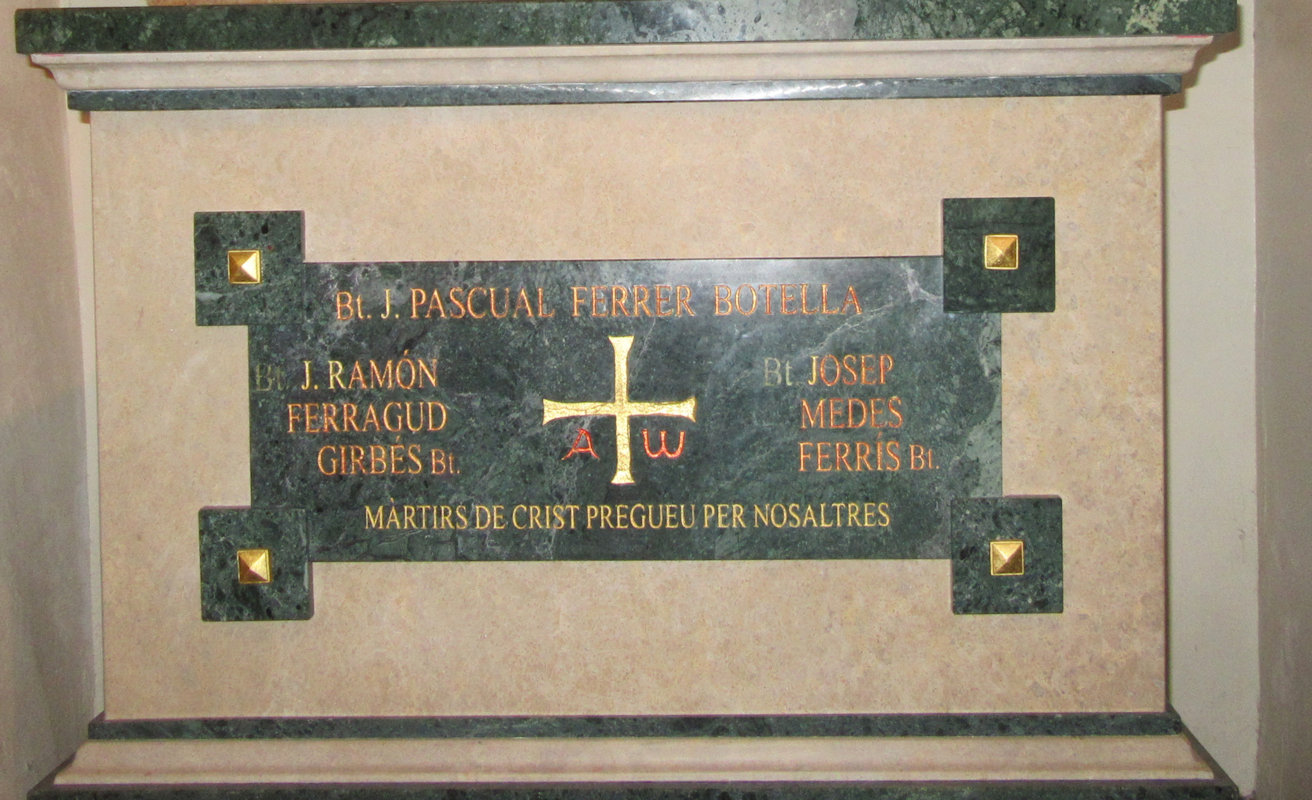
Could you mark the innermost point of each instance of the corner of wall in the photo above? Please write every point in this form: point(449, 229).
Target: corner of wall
point(47, 616)
point(1211, 406)
point(1284, 383)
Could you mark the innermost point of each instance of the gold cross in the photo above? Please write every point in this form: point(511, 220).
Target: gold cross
point(621, 408)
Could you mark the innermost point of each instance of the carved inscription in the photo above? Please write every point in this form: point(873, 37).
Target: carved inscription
point(745, 409)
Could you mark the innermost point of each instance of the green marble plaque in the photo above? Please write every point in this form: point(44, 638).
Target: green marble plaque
point(733, 409)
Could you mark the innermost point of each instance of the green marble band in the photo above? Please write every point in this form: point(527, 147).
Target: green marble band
point(523, 24)
point(1039, 790)
point(664, 92)
point(1166, 723)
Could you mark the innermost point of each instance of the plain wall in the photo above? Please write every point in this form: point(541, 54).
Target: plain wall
point(1284, 395)
point(47, 677)
point(1211, 404)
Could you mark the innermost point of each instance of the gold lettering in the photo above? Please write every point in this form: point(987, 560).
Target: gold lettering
point(822, 515)
point(469, 302)
point(841, 456)
point(642, 301)
point(722, 304)
point(852, 301)
point(459, 300)
point(684, 296)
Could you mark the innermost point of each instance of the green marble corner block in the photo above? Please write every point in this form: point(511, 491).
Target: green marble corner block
point(278, 236)
point(976, 523)
point(224, 598)
point(973, 281)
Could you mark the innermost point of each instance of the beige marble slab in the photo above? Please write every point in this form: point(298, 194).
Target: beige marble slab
point(1096, 758)
point(1082, 407)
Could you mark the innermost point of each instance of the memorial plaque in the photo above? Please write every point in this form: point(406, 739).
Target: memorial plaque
point(734, 409)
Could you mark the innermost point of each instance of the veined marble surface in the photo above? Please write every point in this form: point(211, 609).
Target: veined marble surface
point(521, 24)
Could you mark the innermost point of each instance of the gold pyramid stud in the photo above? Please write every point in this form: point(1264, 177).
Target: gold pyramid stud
point(254, 566)
point(1007, 557)
point(244, 266)
point(1001, 251)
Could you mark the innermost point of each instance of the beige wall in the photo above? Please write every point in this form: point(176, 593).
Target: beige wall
point(1284, 364)
point(1211, 459)
point(47, 682)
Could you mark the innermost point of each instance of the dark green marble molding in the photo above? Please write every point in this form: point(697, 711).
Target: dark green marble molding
point(496, 24)
point(568, 93)
point(1036, 521)
point(1164, 723)
point(1219, 789)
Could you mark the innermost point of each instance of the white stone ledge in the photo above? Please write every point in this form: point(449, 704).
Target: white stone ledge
point(765, 61)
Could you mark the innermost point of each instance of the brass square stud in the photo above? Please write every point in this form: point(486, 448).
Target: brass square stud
point(1001, 251)
point(244, 266)
point(1007, 557)
point(254, 566)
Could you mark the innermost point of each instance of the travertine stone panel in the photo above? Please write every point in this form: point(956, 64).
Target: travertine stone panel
point(1082, 408)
